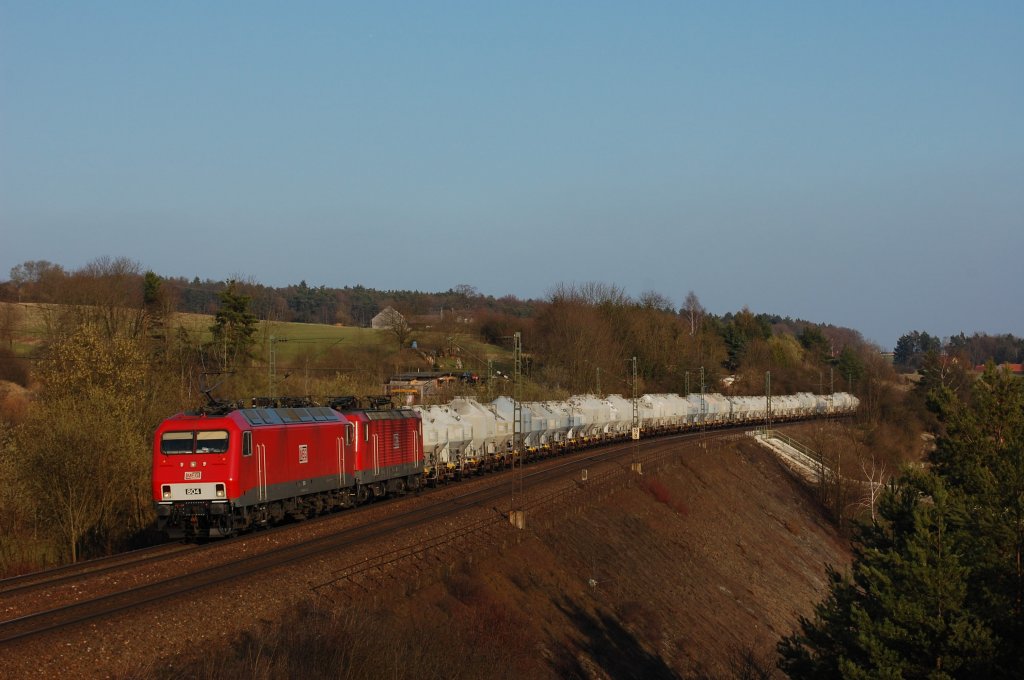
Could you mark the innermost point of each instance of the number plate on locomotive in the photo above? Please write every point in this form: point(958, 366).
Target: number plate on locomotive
point(195, 474)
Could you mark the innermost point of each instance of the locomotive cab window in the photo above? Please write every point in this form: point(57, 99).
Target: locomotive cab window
point(395, 441)
point(212, 441)
point(349, 434)
point(247, 443)
point(173, 443)
point(366, 432)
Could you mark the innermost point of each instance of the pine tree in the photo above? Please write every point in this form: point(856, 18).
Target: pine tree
point(937, 583)
point(234, 326)
point(982, 457)
point(902, 612)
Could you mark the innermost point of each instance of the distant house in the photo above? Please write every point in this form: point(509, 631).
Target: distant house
point(417, 387)
point(1014, 369)
point(388, 318)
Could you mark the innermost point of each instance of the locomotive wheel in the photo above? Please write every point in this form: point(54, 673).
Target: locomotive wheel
point(225, 527)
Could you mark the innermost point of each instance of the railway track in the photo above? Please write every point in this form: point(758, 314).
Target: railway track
point(68, 573)
point(107, 605)
point(227, 570)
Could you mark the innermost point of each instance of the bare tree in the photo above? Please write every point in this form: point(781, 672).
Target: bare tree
point(110, 291)
point(693, 311)
point(654, 300)
point(467, 291)
point(748, 663)
point(37, 280)
point(875, 476)
point(576, 333)
point(397, 325)
point(597, 293)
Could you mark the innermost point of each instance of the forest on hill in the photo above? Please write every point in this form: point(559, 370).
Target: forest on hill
point(572, 335)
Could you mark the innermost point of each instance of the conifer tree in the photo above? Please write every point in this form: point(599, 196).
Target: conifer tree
point(981, 456)
point(937, 583)
point(902, 612)
point(234, 325)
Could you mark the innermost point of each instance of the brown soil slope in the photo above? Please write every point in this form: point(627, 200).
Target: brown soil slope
point(707, 562)
point(695, 572)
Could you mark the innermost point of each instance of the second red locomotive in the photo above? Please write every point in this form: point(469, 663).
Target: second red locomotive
point(224, 470)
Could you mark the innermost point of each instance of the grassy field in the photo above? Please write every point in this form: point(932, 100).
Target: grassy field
point(24, 327)
point(291, 339)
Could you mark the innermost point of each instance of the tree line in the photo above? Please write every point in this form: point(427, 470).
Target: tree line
point(913, 349)
point(44, 281)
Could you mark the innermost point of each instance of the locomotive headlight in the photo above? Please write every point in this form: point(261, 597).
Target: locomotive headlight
point(220, 491)
point(166, 491)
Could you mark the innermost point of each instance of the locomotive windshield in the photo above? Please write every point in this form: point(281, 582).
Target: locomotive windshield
point(203, 441)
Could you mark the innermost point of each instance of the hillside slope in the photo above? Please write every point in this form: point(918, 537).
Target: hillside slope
point(696, 572)
point(710, 561)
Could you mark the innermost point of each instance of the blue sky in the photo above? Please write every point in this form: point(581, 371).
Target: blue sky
point(860, 164)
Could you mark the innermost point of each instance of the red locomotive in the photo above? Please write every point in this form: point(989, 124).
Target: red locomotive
point(226, 469)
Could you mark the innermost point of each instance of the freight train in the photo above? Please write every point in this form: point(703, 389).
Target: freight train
point(228, 468)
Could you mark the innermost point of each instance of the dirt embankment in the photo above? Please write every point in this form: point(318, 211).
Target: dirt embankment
point(698, 570)
point(695, 572)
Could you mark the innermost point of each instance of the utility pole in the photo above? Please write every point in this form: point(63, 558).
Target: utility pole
point(767, 403)
point(271, 367)
point(703, 414)
point(517, 514)
point(272, 364)
point(599, 381)
point(490, 378)
point(831, 390)
point(635, 467)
